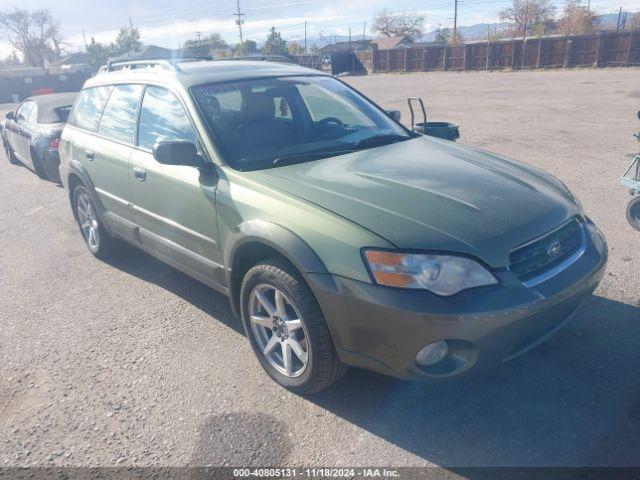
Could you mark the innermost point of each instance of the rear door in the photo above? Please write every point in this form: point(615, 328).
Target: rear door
point(175, 205)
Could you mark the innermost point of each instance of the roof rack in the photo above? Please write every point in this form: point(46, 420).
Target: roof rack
point(171, 65)
point(265, 58)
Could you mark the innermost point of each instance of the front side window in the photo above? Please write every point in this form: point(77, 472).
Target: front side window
point(88, 108)
point(119, 117)
point(265, 123)
point(22, 114)
point(162, 118)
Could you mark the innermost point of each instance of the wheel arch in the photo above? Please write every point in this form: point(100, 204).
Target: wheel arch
point(77, 175)
point(258, 240)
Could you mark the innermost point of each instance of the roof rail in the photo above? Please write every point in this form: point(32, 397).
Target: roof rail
point(171, 65)
point(265, 58)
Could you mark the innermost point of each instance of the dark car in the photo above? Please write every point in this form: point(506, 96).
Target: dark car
point(31, 134)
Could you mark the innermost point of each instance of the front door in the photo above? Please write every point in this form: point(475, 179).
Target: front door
point(174, 205)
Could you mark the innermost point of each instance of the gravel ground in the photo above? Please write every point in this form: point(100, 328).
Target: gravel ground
point(132, 363)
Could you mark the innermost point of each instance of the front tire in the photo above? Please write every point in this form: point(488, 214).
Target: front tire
point(13, 160)
point(287, 329)
point(96, 238)
point(633, 213)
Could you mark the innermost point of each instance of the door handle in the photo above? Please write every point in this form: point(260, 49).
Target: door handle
point(90, 155)
point(139, 174)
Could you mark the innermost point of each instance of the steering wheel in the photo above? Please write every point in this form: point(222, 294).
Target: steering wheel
point(329, 120)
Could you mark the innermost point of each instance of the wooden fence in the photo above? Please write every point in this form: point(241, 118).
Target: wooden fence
point(601, 50)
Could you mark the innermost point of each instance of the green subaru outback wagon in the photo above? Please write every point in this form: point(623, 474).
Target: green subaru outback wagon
point(341, 237)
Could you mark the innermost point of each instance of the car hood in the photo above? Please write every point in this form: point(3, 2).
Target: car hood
point(434, 195)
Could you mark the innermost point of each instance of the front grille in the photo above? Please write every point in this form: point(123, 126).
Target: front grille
point(541, 255)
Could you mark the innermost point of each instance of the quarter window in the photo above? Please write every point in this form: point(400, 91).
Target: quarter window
point(88, 108)
point(119, 117)
point(162, 117)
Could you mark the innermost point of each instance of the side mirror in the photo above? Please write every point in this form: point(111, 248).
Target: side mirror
point(638, 114)
point(395, 114)
point(177, 152)
point(9, 116)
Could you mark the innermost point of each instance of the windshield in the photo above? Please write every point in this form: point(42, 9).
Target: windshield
point(272, 122)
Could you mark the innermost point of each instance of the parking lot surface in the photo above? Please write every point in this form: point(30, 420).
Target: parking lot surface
point(132, 363)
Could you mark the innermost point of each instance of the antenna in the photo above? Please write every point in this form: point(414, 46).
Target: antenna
point(239, 22)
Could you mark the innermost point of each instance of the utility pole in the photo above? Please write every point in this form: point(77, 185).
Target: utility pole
point(84, 40)
point(239, 22)
point(305, 37)
point(524, 37)
point(199, 36)
point(131, 33)
point(364, 30)
point(455, 20)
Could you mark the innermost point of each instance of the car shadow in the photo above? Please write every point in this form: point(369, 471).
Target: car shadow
point(572, 401)
point(148, 268)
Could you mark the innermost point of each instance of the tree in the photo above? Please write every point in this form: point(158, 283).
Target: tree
point(275, 44)
point(36, 35)
point(389, 24)
point(442, 35)
point(128, 39)
point(98, 54)
point(530, 15)
point(248, 47)
point(10, 61)
point(295, 48)
point(577, 19)
point(633, 23)
point(204, 45)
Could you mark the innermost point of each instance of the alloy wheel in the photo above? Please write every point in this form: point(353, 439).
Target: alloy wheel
point(88, 221)
point(278, 330)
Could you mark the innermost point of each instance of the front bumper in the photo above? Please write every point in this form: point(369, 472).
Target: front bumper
point(382, 329)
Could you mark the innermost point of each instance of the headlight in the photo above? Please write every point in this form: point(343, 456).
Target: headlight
point(441, 274)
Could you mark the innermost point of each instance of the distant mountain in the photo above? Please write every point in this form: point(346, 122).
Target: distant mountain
point(479, 31)
point(471, 32)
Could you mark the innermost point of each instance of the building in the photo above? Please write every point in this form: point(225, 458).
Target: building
point(380, 43)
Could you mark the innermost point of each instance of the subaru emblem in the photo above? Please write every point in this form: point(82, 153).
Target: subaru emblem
point(554, 249)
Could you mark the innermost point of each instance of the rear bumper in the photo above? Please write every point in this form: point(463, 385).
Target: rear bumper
point(51, 162)
point(382, 329)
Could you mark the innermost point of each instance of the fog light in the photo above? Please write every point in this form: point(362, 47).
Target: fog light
point(432, 353)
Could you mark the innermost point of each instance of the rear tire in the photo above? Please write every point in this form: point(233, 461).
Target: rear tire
point(95, 236)
point(295, 323)
point(13, 160)
point(633, 212)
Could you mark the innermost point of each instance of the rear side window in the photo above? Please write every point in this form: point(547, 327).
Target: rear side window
point(163, 118)
point(88, 108)
point(119, 116)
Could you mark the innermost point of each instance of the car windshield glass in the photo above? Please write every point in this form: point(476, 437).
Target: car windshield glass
point(265, 123)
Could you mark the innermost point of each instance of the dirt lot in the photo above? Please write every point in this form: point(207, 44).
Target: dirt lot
point(132, 363)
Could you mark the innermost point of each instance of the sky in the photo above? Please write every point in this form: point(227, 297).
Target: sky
point(168, 23)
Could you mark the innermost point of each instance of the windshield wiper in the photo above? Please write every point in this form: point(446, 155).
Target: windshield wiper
point(380, 140)
point(295, 157)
